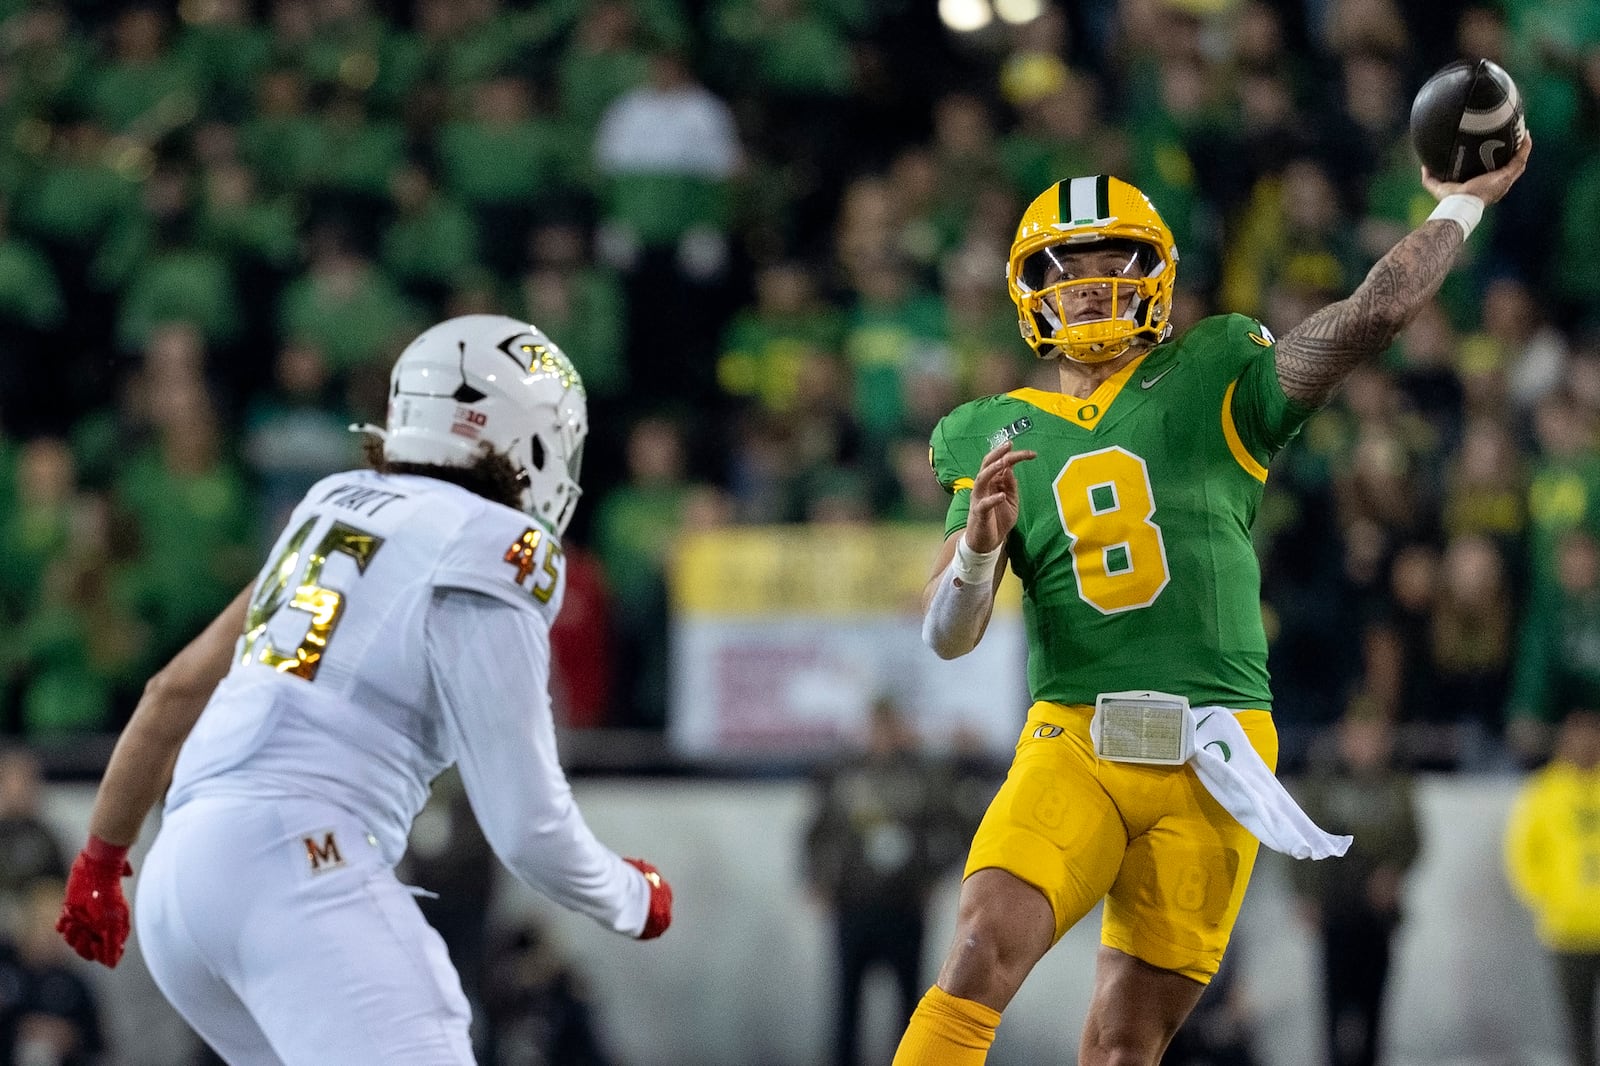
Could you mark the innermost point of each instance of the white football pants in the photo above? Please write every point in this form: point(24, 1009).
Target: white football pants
point(280, 935)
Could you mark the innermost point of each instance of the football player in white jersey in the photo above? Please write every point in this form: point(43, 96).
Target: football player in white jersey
point(400, 624)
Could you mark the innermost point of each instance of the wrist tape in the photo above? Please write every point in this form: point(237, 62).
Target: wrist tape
point(1464, 209)
point(971, 567)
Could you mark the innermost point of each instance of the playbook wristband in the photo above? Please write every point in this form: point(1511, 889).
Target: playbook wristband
point(1464, 209)
point(973, 567)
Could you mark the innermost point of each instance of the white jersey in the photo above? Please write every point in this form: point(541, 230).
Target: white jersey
point(401, 624)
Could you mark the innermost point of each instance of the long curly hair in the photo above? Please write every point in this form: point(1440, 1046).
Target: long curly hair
point(491, 475)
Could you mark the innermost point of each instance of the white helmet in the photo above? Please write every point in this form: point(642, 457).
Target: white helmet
point(489, 379)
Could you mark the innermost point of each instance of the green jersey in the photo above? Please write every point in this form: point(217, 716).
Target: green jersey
point(1133, 536)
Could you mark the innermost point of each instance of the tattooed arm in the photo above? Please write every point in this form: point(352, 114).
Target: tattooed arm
point(1317, 355)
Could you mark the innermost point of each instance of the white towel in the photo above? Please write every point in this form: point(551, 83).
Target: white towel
point(1236, 777)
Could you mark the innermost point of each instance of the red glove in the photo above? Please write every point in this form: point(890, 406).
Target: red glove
point(94, 918)
point(660, 916)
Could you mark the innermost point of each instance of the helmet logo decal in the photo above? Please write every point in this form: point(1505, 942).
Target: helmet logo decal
point(534, 357)
point(468, 423)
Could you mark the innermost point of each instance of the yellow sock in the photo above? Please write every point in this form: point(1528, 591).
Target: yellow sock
point(947, 1030)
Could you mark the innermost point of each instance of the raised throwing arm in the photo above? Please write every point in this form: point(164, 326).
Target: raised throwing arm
point(1318, 354)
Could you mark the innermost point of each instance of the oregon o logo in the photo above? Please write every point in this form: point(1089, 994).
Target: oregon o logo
point(1088, 411)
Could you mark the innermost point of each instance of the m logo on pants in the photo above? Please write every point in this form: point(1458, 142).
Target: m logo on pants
point(324, 856)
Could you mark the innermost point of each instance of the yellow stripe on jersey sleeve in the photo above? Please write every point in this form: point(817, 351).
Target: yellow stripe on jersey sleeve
point(1230, 432)
point(961, 483)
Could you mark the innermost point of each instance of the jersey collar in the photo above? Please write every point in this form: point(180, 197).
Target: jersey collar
point(1085, 412)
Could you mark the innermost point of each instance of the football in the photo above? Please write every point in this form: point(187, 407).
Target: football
point(1467, 120)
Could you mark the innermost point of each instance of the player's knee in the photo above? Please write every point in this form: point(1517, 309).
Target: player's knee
point(975, 968)
point(987, 963)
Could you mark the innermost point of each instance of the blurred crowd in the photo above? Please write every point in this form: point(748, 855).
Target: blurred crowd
point(771, 234)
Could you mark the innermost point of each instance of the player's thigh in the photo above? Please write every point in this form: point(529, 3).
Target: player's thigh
point(1052, 824)
point(177, 962)
point(352, 972)
point(291, 905)
point(1183, 880)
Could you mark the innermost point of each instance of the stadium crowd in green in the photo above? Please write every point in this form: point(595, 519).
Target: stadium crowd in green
point(771, 234)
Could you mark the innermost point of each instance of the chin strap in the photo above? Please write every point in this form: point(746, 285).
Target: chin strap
point(368, 428)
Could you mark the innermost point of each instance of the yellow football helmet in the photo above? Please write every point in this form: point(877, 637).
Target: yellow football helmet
point(1076, 214)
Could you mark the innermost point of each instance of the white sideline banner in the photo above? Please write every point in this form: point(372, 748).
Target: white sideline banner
point(784, 637)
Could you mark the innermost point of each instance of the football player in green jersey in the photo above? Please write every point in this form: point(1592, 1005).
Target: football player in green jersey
point(1124, 504)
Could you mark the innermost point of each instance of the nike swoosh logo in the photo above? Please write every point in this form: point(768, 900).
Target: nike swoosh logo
point(1204, 720)
point(1145, 383)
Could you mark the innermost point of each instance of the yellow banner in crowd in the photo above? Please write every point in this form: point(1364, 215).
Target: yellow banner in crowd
point(811, 570)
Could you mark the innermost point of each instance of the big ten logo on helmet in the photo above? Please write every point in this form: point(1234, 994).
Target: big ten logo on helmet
point(468, 423)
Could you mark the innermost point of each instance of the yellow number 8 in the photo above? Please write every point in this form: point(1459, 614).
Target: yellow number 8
point(1118, 556)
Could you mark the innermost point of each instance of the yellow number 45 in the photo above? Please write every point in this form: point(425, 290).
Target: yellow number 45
point(322, 604)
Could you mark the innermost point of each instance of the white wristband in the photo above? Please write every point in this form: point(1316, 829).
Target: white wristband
point(971, 567)
point(1464, 209)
